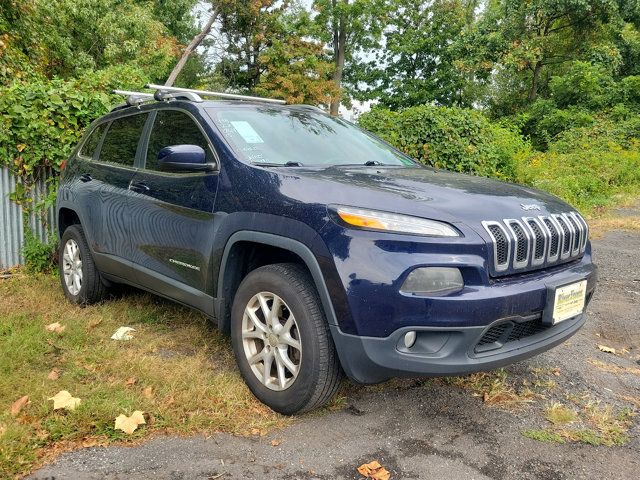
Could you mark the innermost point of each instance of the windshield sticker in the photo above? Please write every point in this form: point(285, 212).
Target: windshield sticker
point(247, 132)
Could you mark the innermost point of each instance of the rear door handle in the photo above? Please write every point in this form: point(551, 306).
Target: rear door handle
point(85, 177)
point(139, 187)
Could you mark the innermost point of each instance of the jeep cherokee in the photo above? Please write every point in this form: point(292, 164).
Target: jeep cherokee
point(318, 247)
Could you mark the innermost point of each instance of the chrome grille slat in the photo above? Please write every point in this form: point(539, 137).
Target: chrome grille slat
point(528, 242)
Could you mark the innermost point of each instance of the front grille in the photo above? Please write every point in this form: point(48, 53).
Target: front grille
point(510, 331)
point(536, 242)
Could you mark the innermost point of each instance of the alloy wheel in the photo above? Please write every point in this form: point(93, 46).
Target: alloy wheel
point(72, 267)
point(271, 341)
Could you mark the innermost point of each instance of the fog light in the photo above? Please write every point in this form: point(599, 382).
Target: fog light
point(433, 281)
point(409, 339)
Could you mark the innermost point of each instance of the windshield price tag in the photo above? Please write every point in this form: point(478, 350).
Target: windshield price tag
point(246, 131)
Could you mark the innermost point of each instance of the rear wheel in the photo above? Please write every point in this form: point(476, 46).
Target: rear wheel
point(80, 278)
point(281, 340)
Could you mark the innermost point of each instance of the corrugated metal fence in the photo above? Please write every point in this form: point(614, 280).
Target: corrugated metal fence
point(11, 227)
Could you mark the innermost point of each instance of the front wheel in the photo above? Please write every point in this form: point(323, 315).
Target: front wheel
point(281, 340)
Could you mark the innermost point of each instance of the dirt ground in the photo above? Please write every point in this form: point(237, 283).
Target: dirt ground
point(443, 428)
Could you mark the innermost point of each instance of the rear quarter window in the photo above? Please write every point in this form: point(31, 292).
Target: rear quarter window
point(90, 145)
point(121, 143)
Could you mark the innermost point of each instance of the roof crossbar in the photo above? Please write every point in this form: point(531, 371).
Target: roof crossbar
point(206, 93)
point(134, 98)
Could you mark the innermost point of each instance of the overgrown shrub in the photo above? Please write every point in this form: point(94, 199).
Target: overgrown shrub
point(39, 257)
point(588, 178)
point(455, 139)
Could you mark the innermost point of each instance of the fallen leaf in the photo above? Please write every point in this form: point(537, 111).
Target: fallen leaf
point(123, 333)
point(148, 392)
point(19, 405)
point(605, 349)
point(63, 399)
point(21, 147)
point(275, 443)
point(55, 327)
point(556, 371)
point(94, 323)
point(54, 374)
point(374, 470)
point(129, 424)
point(258, 431)
point(131, 381)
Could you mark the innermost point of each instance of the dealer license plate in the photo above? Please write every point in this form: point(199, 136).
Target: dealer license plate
point(569, 301)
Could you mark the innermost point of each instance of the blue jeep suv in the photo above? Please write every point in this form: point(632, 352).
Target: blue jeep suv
point(319, 248)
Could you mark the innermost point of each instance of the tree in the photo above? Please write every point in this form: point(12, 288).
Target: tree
point(540, 35)
point(193, 44)
point(418, 63)
point(349, 27)
point(64, 38)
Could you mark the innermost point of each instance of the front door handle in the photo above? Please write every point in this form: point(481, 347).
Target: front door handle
point(139, 187)
point(85, 177)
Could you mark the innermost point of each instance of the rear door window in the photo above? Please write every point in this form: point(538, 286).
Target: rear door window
point(121, 143)
point(90, 145)
point(173, 127)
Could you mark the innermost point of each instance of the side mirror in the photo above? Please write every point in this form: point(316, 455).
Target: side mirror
point(183, 158)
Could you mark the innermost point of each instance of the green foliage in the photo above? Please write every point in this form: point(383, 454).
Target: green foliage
point(65, 38)
point(455, 139)
point(42, 120)
point(39, 257)
point(590, 178)
point(584, 84)
point(421, 59)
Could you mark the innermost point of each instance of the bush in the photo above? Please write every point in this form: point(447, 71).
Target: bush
point(41, 120)
point(455, 139)
point(587, 178)
point(39, 257)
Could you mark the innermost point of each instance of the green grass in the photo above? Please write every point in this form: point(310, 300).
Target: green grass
point(543, 436)
point(185, 375)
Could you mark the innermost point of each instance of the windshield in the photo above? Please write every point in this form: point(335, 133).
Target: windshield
point(281, 136)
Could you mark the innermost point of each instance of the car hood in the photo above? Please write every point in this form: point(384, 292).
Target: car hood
point(421, 191)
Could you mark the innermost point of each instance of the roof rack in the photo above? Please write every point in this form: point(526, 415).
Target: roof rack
point(205, 93)
point(163, 93)
point(138, 98)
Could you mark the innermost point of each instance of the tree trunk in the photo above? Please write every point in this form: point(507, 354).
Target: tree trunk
point(339, 45)
point(533, 93)
point(190, 48)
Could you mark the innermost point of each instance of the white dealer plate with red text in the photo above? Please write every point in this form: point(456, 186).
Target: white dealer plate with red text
point(569, 301)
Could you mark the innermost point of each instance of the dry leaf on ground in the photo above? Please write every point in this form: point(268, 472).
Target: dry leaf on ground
point(55, 327)
point(129, 424)
point(275, 443)
point(19, 405)
point(605, 349)
point(130, 381)
point(374, 471)
point(54, 374)
point(64, 399)
point(123, 333)
point(148, 392)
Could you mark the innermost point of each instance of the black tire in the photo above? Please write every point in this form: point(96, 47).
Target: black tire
point(319, 373)
point(92, 288)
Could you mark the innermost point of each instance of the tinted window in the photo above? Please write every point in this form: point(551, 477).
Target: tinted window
point(89, 147)
point(272, 135)
point(172, 127)
point(122, 138)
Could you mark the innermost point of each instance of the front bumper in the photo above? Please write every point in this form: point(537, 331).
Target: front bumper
point(458, 350)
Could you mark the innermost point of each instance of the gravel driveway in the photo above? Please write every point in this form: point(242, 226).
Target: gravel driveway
point(432, 429)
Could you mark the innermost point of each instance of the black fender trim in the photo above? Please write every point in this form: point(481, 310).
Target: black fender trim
point(285, 243)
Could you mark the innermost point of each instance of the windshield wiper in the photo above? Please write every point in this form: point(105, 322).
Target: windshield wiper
point(287, 164)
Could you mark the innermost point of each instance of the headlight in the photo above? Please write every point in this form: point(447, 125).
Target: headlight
point(433, 281)
point(392, 222)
